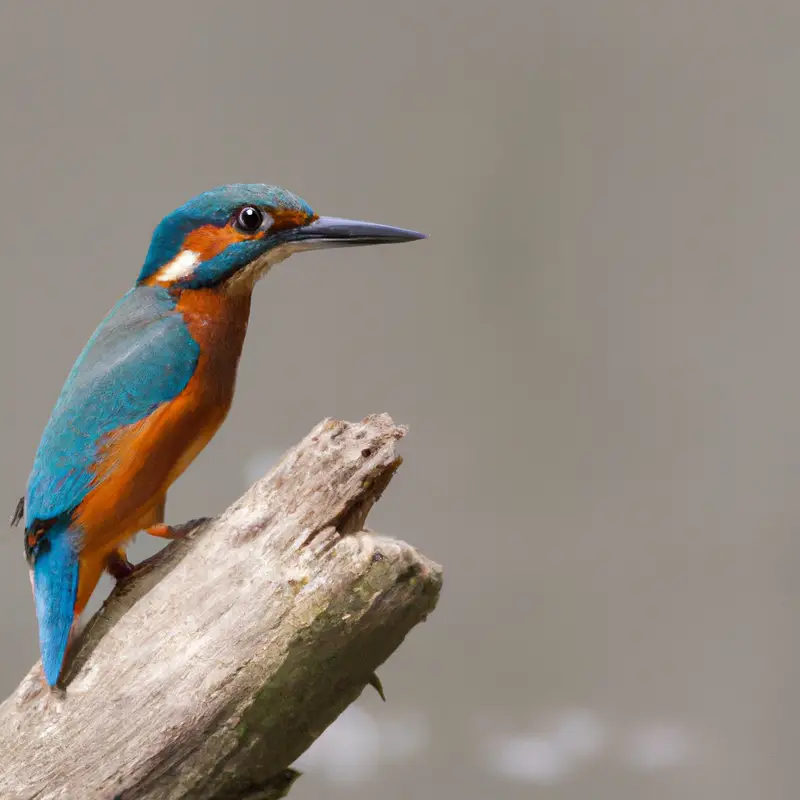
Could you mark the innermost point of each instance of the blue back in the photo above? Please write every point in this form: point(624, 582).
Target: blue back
point(141, 355)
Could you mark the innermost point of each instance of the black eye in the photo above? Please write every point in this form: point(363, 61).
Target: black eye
point(249, 219)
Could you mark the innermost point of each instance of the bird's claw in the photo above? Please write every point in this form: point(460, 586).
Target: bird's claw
point(187, 528)
point(182, 531)
point(119, 567)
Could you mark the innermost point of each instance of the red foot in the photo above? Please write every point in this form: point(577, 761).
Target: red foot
point(164, 531)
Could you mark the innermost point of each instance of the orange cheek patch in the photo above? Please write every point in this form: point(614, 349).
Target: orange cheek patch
point(210, 240)
point(289, 218)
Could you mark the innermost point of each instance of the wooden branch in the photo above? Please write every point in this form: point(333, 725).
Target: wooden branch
point(210, 671)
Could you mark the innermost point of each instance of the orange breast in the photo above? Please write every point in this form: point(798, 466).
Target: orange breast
point(139, 462)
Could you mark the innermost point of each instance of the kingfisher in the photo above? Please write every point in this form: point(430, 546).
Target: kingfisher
point(151, 388)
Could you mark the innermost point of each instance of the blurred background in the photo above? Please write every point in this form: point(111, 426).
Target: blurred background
point(595, 350)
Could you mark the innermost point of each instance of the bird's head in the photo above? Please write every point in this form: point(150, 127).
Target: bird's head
point(233, 234)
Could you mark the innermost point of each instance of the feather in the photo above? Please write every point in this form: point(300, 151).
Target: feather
point(140, 357)
point(55, 587)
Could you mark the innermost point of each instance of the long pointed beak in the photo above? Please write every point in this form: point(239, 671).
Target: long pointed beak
point(335, 232)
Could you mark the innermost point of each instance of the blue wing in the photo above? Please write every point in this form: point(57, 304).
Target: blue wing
point(141, 355)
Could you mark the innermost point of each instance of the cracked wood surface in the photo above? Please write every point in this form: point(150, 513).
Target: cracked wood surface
point(222, 660)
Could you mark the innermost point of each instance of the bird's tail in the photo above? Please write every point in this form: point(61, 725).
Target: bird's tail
point(55, 588)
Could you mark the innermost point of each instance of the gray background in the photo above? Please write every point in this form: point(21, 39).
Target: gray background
point(595, 350)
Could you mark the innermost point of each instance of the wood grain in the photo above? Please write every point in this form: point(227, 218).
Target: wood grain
point(228, 654)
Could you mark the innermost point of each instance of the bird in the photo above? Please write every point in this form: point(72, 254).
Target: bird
point(151, 388)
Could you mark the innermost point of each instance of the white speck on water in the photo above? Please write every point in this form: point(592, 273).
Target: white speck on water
point(403, 736)
point(347, 753)
point(657, 746)
point(527, 759)
point(357, 744)
point(580, 733)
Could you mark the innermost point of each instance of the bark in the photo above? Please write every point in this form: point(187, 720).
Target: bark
point(223, 658)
